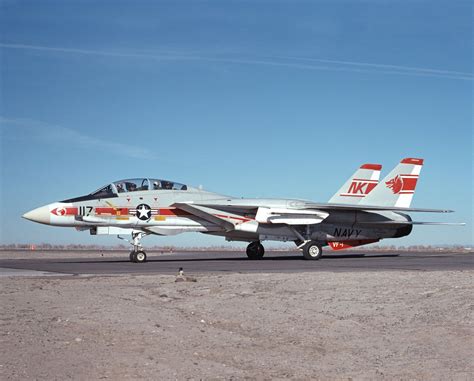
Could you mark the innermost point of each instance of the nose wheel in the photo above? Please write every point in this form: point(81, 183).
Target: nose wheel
point(255, 250)
point(138, 256)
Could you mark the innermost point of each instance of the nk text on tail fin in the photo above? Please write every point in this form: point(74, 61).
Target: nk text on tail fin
point(358, 185)
point(398, 187)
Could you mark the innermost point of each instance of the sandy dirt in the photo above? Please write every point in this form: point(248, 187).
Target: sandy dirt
point(377, 325)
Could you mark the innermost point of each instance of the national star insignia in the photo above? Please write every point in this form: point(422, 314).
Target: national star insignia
point(144, 212)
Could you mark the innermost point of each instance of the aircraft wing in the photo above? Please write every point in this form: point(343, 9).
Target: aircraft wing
point(229, 216)
point(207, 213)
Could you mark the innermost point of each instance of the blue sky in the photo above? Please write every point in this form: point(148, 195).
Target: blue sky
point(248, 98)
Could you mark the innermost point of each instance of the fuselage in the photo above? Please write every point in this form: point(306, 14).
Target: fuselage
point(139, 204)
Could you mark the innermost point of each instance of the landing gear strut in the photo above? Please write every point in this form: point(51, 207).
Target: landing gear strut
point(255, 250)
point(312, 250)
point(137, 255)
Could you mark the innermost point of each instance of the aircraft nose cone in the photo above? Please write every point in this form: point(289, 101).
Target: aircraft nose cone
point(41, 215)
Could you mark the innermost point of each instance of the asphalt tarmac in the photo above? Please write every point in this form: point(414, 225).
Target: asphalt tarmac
point(237, 262)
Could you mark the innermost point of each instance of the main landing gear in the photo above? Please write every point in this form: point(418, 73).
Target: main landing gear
point(312, 250)
point(137, 255)
point(255, 250)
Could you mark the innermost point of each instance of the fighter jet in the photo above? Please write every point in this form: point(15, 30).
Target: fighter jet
point(363, 211)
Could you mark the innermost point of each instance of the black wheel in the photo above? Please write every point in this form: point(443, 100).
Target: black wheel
point(312, 251)
point(132, 256)
point(255, 250)
point(140, 257)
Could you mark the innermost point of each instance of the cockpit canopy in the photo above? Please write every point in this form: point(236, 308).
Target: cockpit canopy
point(130, 185)
point(135, 185)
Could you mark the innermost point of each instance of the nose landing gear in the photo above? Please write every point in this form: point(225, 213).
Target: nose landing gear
point(137, 255)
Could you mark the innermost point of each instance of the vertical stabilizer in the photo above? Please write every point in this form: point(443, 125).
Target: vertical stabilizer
point(398, 188)
point(358, 185)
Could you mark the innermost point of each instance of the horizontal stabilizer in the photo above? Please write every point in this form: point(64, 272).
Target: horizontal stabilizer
point(411, 223)
point(310, 205)
point(438, 223)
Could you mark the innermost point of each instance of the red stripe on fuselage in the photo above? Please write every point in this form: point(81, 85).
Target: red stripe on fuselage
point(112, 211)
point(122, 211)
point(173, 212)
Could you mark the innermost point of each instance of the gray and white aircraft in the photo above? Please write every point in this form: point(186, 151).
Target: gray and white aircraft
point(363, 211)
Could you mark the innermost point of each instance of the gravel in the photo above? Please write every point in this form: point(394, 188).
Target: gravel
point(319, 325)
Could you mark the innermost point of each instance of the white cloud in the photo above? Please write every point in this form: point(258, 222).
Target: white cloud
point(281, 61)
point(53, 134)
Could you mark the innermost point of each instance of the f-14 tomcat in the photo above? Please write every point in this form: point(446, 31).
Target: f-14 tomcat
point(363, 211)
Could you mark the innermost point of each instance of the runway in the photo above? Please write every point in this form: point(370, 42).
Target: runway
point(236, 262)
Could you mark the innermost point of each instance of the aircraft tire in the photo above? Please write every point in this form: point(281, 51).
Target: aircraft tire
point(140, 257)
point(255, 250)
point(132, 256)
point(312, 251)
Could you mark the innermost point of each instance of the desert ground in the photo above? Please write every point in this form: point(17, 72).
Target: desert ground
point(401, 325)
